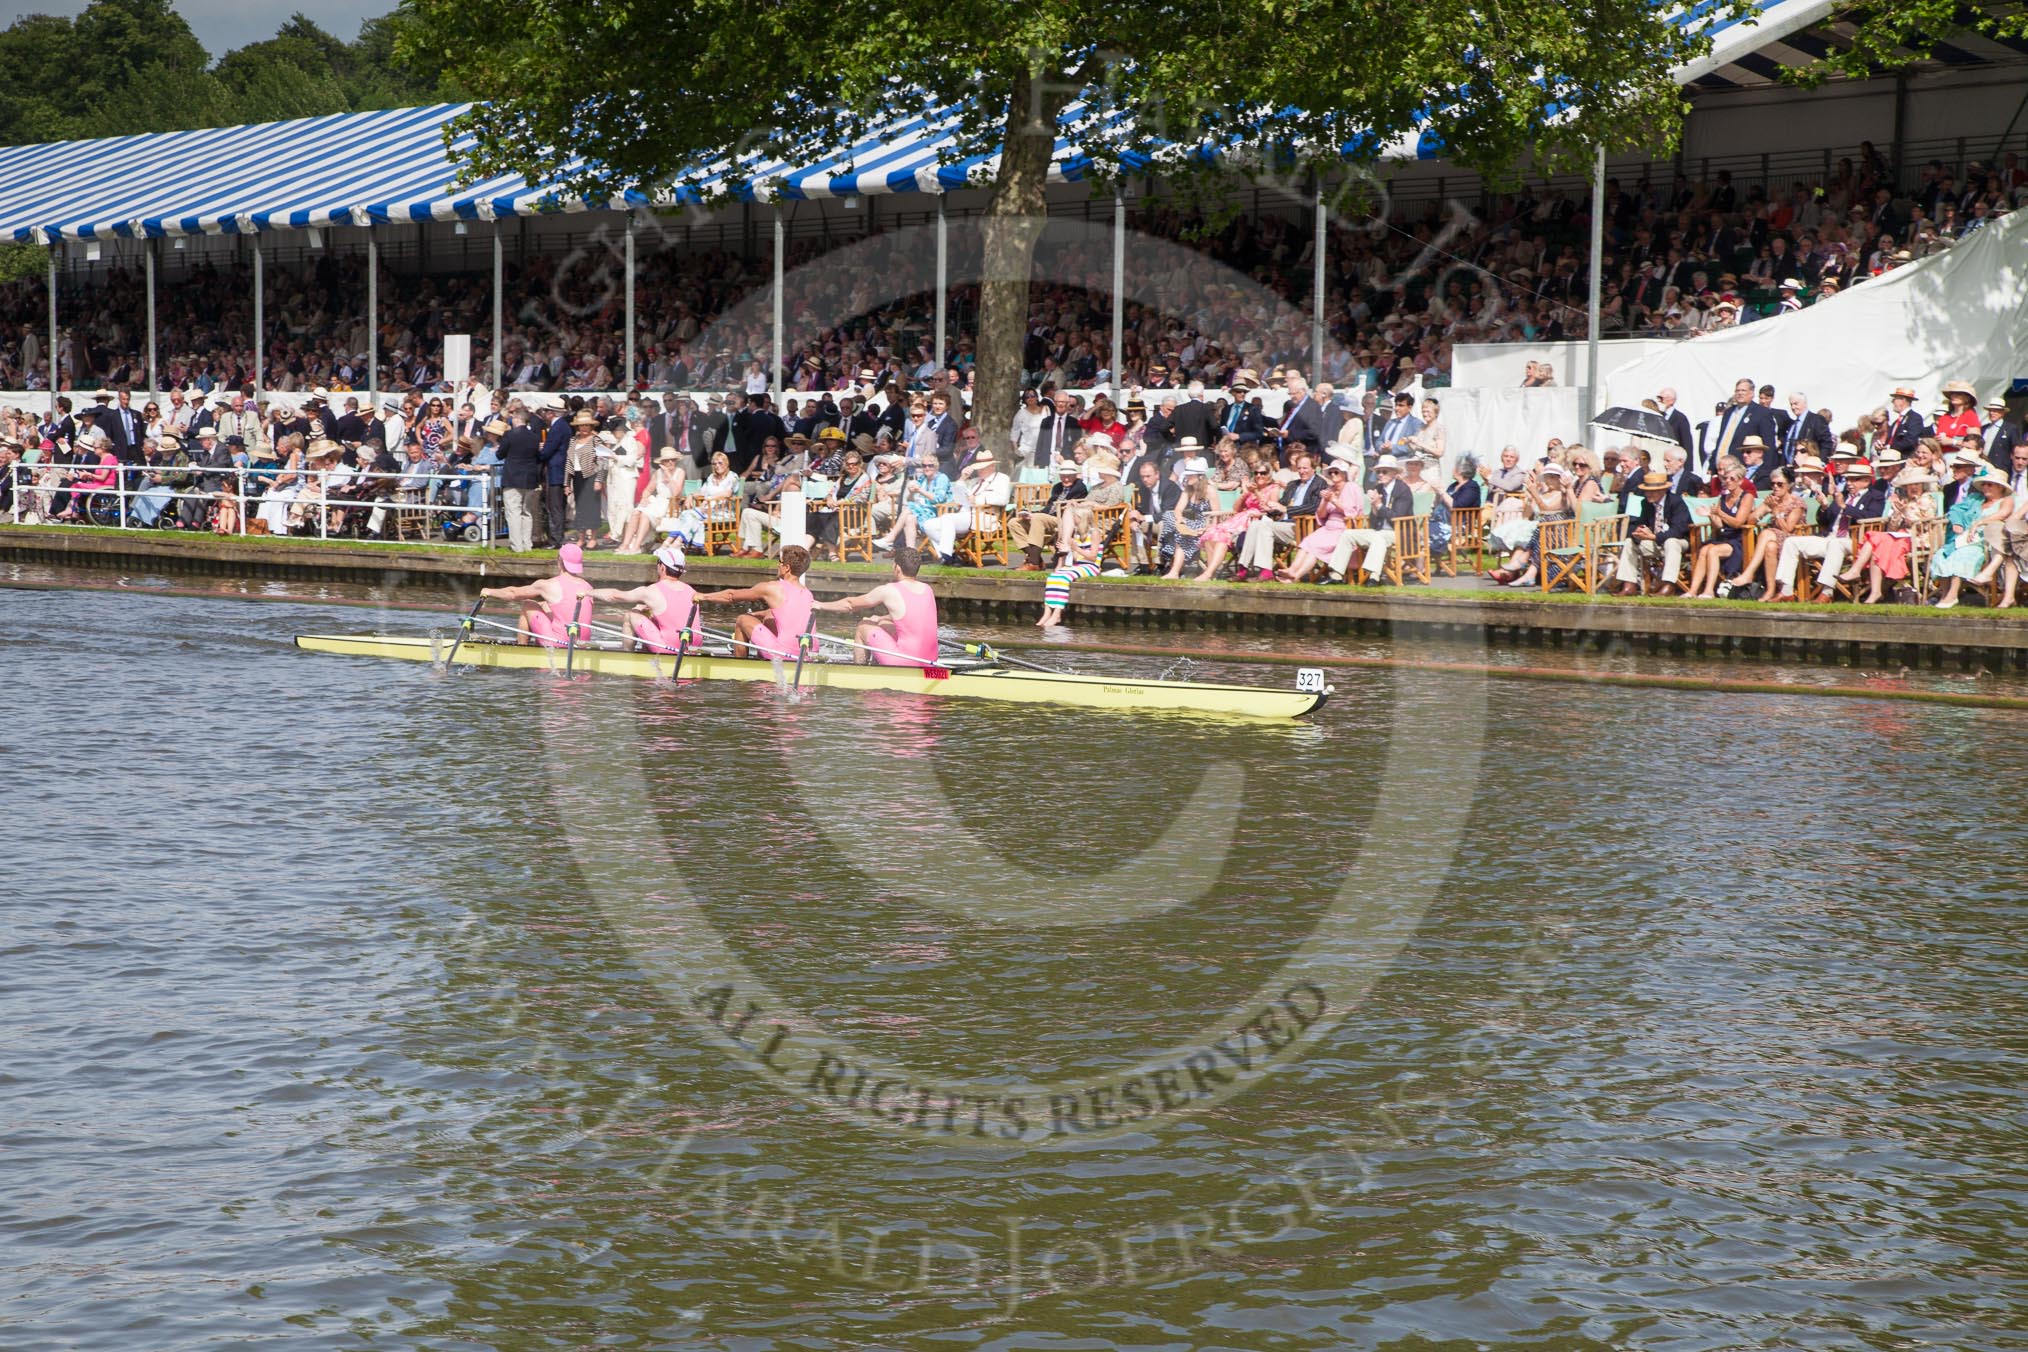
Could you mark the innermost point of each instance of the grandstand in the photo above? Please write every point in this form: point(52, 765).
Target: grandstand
point(338, 240)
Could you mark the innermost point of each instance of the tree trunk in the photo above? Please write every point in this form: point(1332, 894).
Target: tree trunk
point(1013, 222)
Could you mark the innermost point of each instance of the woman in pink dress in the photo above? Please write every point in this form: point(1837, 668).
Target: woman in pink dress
point(1335, 515)
point(1216, 542)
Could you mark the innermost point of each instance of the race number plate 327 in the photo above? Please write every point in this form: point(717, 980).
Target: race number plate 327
point(1310, 680)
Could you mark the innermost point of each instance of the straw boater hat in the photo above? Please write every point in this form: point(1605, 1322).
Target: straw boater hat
point(863, 443)
point(585, 418)
point(1245, 378)
point(1902, 392)
point(1098, 441)
point(1068, 467)
point(1791, 284)
point(1189, 444)
point(498, 427)
point(1654, 481)
point(323, 448)
point(1386, 462)
point(1858, 469)
point(1752, 443)
point(1888, 456)
point(1105, 463)
point(1809, 464)
point(982, 454)
point(1998, 401)
point(1914, 476)
point(1963, 460)
point(667, 454)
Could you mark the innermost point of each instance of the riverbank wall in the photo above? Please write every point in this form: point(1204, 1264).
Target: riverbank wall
point(1968, 638)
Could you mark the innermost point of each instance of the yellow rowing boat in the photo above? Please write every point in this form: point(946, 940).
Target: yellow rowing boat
point(987, 681)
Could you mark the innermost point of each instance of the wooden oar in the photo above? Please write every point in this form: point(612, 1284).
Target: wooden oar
point(570, 636)
point(464, 628)
point(683, 644)
point(991, 654)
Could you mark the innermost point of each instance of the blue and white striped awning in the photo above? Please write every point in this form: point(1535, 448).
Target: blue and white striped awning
point(345, 169)
point(393, 166)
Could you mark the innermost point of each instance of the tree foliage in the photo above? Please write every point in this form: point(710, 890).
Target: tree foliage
point(128, 66)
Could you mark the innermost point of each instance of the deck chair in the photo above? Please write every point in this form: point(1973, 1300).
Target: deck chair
point(1408, 559)
point(1468, 532)
point(855, 531)
point(1559, 553)
point(982, 540)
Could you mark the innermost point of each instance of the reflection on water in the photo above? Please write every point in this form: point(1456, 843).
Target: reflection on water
point(321, 1035)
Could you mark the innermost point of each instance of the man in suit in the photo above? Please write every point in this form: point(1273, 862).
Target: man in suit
point(1399, 427)
point(1387, 501)
point(1658, 533)
point(555, 457)
point(1782, 416)
point(1683, 481)
point(709, 431)
point(1301, 425)
point(1299, 498)
point(1736, 421)
point(1864, 497)
point(521, 478)
point(123, 425)
point(1192, 417)
point(1151, 517)
point(1806, 432)
point(1059, 432)
point(1330, 414)
point(2000, 435)
point(1759, 468)
point(1905, 426)
point(662, 426)
point(943, 425)
point(1239, 418)
point(1370, 421)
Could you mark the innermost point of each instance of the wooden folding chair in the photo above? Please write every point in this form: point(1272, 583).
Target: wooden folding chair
point(1408, 560)
point(411, 515)
point(1602, 539)
point(855, 531)
point(1468, 532)
point(1853, 590)
point(721, 525)
point(984, 539)
point(1104, 520)
point(1559, 553)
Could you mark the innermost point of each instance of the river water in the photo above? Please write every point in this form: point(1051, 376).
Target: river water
point(348, 1004)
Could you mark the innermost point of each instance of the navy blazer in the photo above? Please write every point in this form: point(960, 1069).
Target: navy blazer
point(1669, 518)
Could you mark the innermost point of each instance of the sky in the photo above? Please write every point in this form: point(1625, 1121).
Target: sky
point(222, 25)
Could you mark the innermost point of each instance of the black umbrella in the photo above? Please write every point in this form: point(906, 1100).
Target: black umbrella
point(1641, 422)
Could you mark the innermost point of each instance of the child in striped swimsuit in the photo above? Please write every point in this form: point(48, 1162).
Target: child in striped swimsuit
point(1082, 562)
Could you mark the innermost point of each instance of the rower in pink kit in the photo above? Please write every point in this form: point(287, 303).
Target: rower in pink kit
point(550, 606)
point(906, 636)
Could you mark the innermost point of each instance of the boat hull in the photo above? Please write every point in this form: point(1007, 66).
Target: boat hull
point(993, 683)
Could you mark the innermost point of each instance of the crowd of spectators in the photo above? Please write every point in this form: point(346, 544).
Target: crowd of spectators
point(1762, 499)
point(1682, 257)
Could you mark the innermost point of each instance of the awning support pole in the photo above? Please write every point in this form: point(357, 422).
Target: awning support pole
point(781, 243)
point(154, 385)
point(499, 271)
point(627, 380)
point(260, 315)
point(373, 322)
point(943, 276)
point(1317, 248)
point(1119, 352)
point(1591, 306)
point(55, 379)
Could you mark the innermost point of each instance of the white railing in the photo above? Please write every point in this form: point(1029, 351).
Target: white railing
point(137, 500)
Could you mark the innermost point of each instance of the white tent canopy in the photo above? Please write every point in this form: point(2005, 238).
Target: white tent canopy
point(1958, 315)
